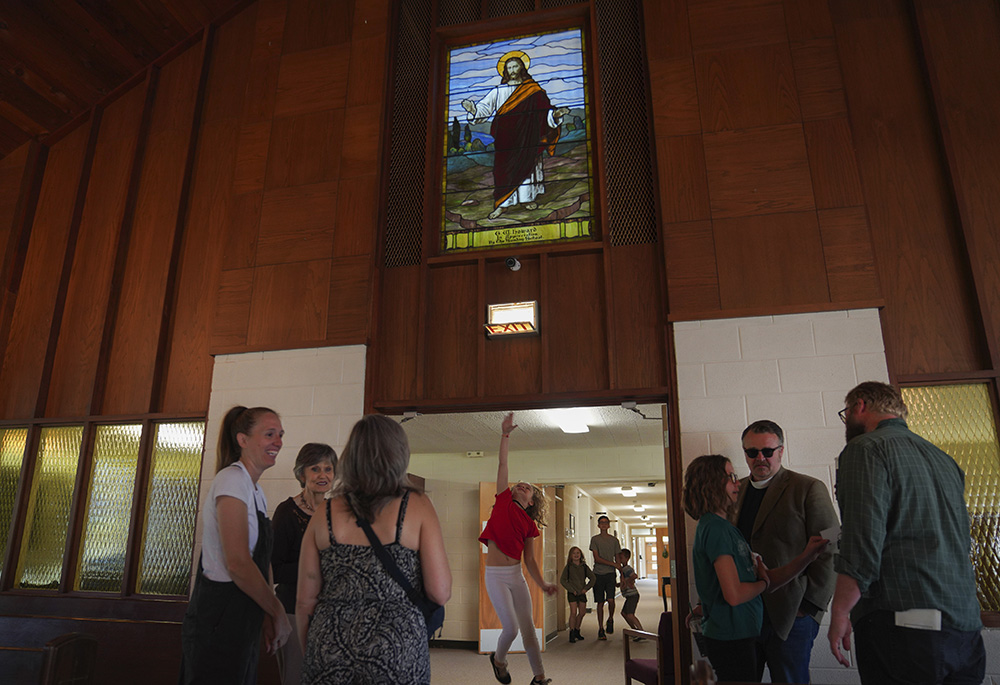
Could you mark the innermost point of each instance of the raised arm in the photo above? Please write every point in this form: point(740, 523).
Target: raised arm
point(503, 478)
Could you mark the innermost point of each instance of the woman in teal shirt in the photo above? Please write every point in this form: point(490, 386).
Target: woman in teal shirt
point(729, 577)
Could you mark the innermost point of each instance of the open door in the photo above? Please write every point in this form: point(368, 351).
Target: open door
point(489, 622)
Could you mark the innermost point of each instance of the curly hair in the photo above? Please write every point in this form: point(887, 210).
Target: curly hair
point(538, 510)
point(705, 486)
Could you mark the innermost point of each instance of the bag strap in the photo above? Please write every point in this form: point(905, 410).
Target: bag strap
point(388, 563)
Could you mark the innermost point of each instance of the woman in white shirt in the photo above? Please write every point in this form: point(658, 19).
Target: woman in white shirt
point(233, 599)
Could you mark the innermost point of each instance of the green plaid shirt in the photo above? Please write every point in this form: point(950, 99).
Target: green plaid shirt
point(905, 528)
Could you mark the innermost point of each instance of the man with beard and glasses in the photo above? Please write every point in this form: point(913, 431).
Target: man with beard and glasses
point(905, 581)
point(778, 510)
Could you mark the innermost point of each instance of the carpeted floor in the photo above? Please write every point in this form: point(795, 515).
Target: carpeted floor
point(582, 663)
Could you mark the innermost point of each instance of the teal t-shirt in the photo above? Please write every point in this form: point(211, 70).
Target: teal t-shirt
point(714, 538)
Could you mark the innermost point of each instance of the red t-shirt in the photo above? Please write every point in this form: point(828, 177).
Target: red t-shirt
point(509, 526)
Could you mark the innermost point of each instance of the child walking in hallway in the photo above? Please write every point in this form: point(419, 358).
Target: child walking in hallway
point(577, 578)
point(629, 591)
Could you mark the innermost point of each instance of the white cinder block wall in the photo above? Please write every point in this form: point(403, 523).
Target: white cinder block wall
point(794, 370)
point(319, 394)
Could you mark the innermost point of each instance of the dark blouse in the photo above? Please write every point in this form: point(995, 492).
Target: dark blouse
point(289, 526)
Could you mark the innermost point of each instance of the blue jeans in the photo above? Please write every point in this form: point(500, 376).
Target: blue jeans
point(787, 660)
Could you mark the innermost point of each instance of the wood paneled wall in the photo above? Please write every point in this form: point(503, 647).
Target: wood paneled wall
point(762, 204)
point(225, 202)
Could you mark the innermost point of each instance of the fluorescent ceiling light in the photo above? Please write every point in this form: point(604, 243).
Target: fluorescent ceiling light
point(627, 491)
point(638, 507)
point(573, 420)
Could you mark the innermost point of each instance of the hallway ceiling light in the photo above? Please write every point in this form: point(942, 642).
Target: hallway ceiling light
point(638, 507)
point(627, 491)
point(573, 420)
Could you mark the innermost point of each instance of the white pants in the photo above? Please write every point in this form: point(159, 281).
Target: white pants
point(509, 594)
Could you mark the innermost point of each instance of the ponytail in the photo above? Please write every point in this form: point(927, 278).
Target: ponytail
point(237, 420)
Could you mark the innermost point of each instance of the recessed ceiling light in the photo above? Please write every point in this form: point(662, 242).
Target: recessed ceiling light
point(627, 491)
point(638, 507)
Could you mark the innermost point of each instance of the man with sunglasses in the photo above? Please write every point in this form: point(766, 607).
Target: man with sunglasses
point(905, 582)
point(777, 511)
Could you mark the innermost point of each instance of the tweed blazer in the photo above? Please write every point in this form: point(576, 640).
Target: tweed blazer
point(794, 508)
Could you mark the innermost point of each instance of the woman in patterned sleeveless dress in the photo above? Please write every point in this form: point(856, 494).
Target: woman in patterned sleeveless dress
point(357, 623)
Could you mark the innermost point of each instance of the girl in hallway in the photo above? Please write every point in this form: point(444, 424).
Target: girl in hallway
point(577, 578)
point(511, 531)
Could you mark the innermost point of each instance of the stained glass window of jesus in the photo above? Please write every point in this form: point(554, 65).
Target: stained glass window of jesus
point(517, 145)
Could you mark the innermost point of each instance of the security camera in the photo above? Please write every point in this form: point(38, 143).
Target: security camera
point(512, 263)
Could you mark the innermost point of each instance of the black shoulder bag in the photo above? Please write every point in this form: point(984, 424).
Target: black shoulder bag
point(432, 611)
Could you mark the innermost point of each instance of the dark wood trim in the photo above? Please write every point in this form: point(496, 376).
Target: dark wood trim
point(946, 378)
point(19, 515)
point(680, 579)
point(20, 236)
point(481, 341)
point(92, 608)
point(67, 266)
point(140, 491)
point(957, 190)
point(543, 296)
point(78, 510)
point(105, 420)
point(990, 619)
point(172, 285)
point(598, 398)
point(121, 249)
point(470, 256)
point(775, 311)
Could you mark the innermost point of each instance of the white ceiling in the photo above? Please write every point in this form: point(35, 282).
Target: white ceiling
point(611, 428)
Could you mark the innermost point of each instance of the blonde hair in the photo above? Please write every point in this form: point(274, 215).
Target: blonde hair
point(880, 398)
point(538, 510)
point(569, 556)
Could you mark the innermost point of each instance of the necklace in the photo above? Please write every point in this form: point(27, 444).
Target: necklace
point(305, 505)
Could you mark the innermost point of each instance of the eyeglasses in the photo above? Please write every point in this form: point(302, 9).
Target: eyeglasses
point(732, 478)
point(843, 414)
point(766, 452)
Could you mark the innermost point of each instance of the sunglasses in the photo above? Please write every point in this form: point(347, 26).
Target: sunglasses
point(767, 452)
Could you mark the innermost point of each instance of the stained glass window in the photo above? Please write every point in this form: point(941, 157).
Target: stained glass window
point(109, 508)
point(518, 161)
point(11, 455)
point(960, 420)
point(171, 506)
point(44, 538)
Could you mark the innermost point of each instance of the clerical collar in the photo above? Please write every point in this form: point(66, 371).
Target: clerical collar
point(761, 484)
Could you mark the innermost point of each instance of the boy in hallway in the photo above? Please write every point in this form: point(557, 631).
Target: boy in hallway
point(605, 548)
point(629, 592)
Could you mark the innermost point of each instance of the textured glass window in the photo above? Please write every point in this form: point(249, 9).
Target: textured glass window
point(109, 508)
point(11, 455)
point(959, 420)
point(49, 507)
point(171, 507)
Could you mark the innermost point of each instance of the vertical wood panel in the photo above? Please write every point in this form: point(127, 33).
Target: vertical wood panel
point(451, 334)
point(637, 320)
point(847, 248)
point(817, 76)
point(574, 318)
point(692, 272)
point(768, 261)
point(296, 224)
point(133, 355)
point(350, 301)
point(674, 92)
point(758, 171)
point(313, 81)
point(12, 168)
point(744, 88)
point(187, 381)
point(36, 301)
point(963, 59)
point(513, 366)
point(724, 24)
point(832, 163)
point(76, 359)
point(683, 179)
point(930, 321)
point(289, 305)
point(232, 310)
point(399, 328)
point(305, 149)
point(357, 212)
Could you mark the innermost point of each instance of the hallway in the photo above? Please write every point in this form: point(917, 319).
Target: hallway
point(584, 663)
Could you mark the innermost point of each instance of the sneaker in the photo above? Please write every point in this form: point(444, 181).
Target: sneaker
point(611, 626)
point(499, 672)
point(536, 681)
point(601, 635)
